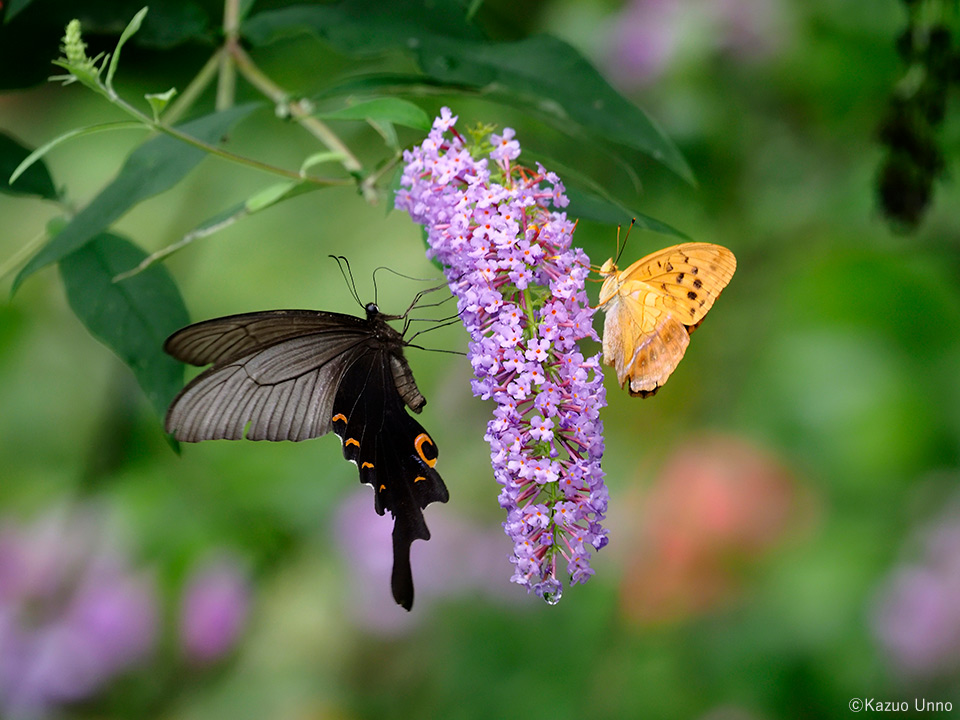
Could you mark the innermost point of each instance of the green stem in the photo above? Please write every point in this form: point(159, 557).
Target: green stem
point(220, 152)
point(227, 84)
point(528, 309)
point(300, 111)
point(22, 255)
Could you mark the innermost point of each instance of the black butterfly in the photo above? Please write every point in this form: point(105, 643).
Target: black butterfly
point(298, 374)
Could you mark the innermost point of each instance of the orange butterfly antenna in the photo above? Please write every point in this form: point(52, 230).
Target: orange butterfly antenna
point(596, 268)
point(626, 235)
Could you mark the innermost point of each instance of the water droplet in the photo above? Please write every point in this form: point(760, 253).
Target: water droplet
point(552, 598)
point(551, 591)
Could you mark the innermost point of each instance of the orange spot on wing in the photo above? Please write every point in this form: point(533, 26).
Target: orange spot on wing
point(350, 441)
point(418, 444)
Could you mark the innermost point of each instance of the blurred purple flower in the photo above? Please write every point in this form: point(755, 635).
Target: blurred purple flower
point(649, 34)
point(459, 561)
point(214, 609)
point(73, 614)
point(644, 41)
point(916, 616)
point(519, 285)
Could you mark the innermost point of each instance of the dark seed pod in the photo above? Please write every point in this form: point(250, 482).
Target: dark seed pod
point(906, 46)
point(904, 191)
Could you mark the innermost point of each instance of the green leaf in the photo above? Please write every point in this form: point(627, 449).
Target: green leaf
point(319, 158)
point(550, 77)
point(159, 101)
point(133, 317)
point(155, 166)
point(362, 26)
point(393, 187)
point(86, 73)
point(542, 74)
point(388, 132)
point(128, 31)
point(381, 83)
point(275, 193)
point(35, 181)
point(425, 237)
point(76, 132)
point(14, 7)
point(590, 205)
point(261, 200)
point(391, 110)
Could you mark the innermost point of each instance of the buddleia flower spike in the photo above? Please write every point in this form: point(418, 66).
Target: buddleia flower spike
point(519, 285)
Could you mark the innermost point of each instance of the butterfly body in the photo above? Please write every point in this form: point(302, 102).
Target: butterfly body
point(653, 306)
point(299, 374)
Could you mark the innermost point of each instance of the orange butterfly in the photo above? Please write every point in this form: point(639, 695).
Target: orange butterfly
point(653, 306)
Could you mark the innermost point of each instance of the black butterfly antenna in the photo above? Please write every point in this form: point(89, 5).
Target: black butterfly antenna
point(626, 235)
point(347, 273)
point(407, 320)
point(395, 272)
point(442, 323)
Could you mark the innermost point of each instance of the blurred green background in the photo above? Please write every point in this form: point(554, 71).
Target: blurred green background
point(784, 514)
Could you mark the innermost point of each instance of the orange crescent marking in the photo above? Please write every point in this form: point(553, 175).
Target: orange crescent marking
point(338, 416)
point(418, 478)
point(418, 444)
point(382, 488)
point(366, 465)
point(351, 441)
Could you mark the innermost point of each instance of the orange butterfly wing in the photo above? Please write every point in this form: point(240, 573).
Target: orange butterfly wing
point(653, 306)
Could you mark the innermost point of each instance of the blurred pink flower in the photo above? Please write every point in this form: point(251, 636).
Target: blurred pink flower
point(718, 503)
point(73, 613)
point(214, 609)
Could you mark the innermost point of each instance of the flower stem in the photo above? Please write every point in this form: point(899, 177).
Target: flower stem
point(220, 152)
point(299, 110)
point(227, 81)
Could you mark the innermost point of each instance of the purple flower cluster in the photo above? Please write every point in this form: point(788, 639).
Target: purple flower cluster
point(520, 293)
point(73, 614)
point(916, 618)
point(214, 609)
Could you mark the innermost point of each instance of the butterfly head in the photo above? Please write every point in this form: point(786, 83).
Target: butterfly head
point(609, 267)
point(372, 310)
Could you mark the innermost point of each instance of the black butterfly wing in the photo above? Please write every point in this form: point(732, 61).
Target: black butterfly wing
point(274, 374)
point(297, 374)
point(393, 453)
point(227, 338)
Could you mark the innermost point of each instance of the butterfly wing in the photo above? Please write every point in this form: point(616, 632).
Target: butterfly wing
point(274, 374)
point(227, 338)
point(644, 344)
point(297, 374)
point(394, 454)
point(653, 306)
point(685, 279)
